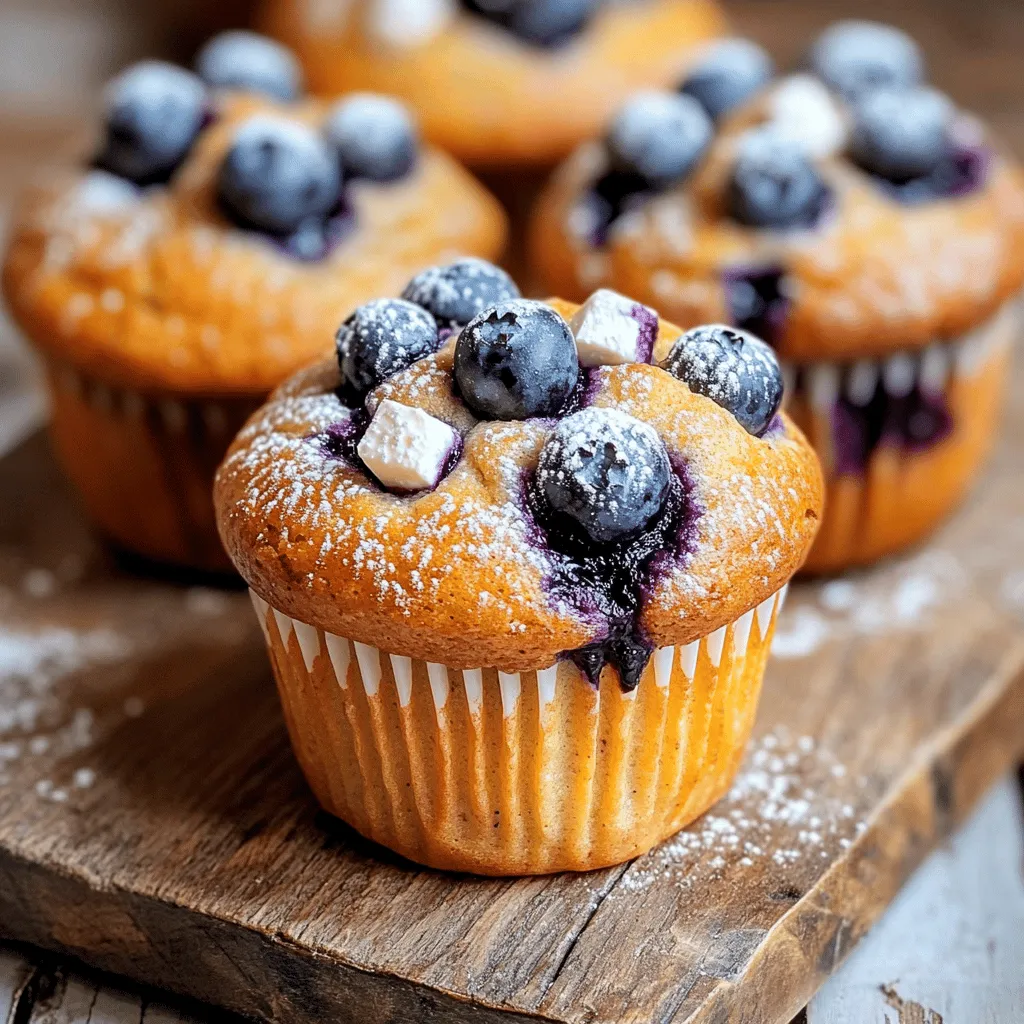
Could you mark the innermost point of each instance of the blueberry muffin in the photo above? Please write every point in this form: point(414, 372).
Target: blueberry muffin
point(497, 82)
point(219, 233)
point(848, 214)
point(519, 592)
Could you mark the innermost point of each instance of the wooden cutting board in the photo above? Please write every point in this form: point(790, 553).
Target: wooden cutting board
point(154, 824)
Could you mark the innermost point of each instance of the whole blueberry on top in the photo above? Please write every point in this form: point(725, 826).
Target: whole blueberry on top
point(455, 293)
point(659, 137)
point(774, 184)
point(251, 62)
point(277, 176)
point(728, 72)
point(515, 360)
point(734, 369)
point(551, 22)
point(375, 137)
point(901, 134)
point(854, 57)
point(380, 338)
point(606, 470)
point(541, 22)
point(154, 111)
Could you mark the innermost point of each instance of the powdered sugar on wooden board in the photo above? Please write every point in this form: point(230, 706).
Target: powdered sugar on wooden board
point(789, 803)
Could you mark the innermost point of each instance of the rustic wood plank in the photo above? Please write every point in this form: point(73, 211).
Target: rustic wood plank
point(15, 974)
point(951, 946)
point(152, 821)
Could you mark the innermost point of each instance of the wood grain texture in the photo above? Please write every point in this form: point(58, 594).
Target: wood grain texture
point(950, 947)
point(152, 816)
point(34, 989)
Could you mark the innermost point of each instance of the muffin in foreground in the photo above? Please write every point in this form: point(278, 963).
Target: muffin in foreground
point(506, 83)
point(519, 593)
point(218, 236)
point(855, 219)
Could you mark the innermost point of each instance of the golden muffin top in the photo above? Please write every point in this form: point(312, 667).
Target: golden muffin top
point(840, 212)
point(546, 481)
point(498, 82)
point(221, 234)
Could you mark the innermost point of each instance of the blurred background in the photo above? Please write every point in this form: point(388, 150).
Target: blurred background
point(56, 54)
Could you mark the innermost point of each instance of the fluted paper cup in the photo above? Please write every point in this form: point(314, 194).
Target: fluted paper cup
point(902, 491)
point(143, 464)
point(517, 773)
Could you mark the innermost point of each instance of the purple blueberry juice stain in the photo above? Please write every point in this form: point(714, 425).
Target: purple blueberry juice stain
point(611, 195)
point(582, 395)
point(606, 584)
point(648, 324)
point(912, 423)
point(963, 172)
point(757, 301)
point(776, 428)
point(341, 440)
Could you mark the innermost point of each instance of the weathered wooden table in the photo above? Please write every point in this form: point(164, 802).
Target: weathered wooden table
point(950, 948)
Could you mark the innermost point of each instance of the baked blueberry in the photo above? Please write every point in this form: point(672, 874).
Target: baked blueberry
point(541, 22)
point(854, 57)
point(774, 184)
point(245, 60)
point(154, 111)
point(278, 176)
point(900, 134)
point(551, 22)
point(734, 369)
point(728, 73)
point(375, 137)
point(380, 338)
point(455, 293)
point(658, 137)
point(516, 360)
point(606, 470)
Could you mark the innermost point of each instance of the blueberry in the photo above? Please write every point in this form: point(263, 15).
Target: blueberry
point(728, 73)
point(154, 111)
point(551, 22)
point(516, 360)
point(541, 22)
point(900, 134)
point(734, 369)
point(375, 137)
point(659, 137)
point(456, 293)
point(854, 57)
point(245, 60)
point(278, 176)
point(774, 184)
point(380, 338)
point(606, 470)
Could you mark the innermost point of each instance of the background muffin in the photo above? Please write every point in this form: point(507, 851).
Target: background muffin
point(216, 241)
point(509, 82)
point(851, 216)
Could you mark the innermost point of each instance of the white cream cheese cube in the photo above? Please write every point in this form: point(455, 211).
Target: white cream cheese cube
point(802, 110)
point(406, 448)
point(609, 334)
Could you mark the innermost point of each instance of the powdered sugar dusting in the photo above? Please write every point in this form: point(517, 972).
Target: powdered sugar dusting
point(469, 549)
point(789, 805)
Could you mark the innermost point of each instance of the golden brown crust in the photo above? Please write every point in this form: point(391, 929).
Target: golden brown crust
point(491, 99)
point(163, 294)
point(875, 276)
point(457, 576)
